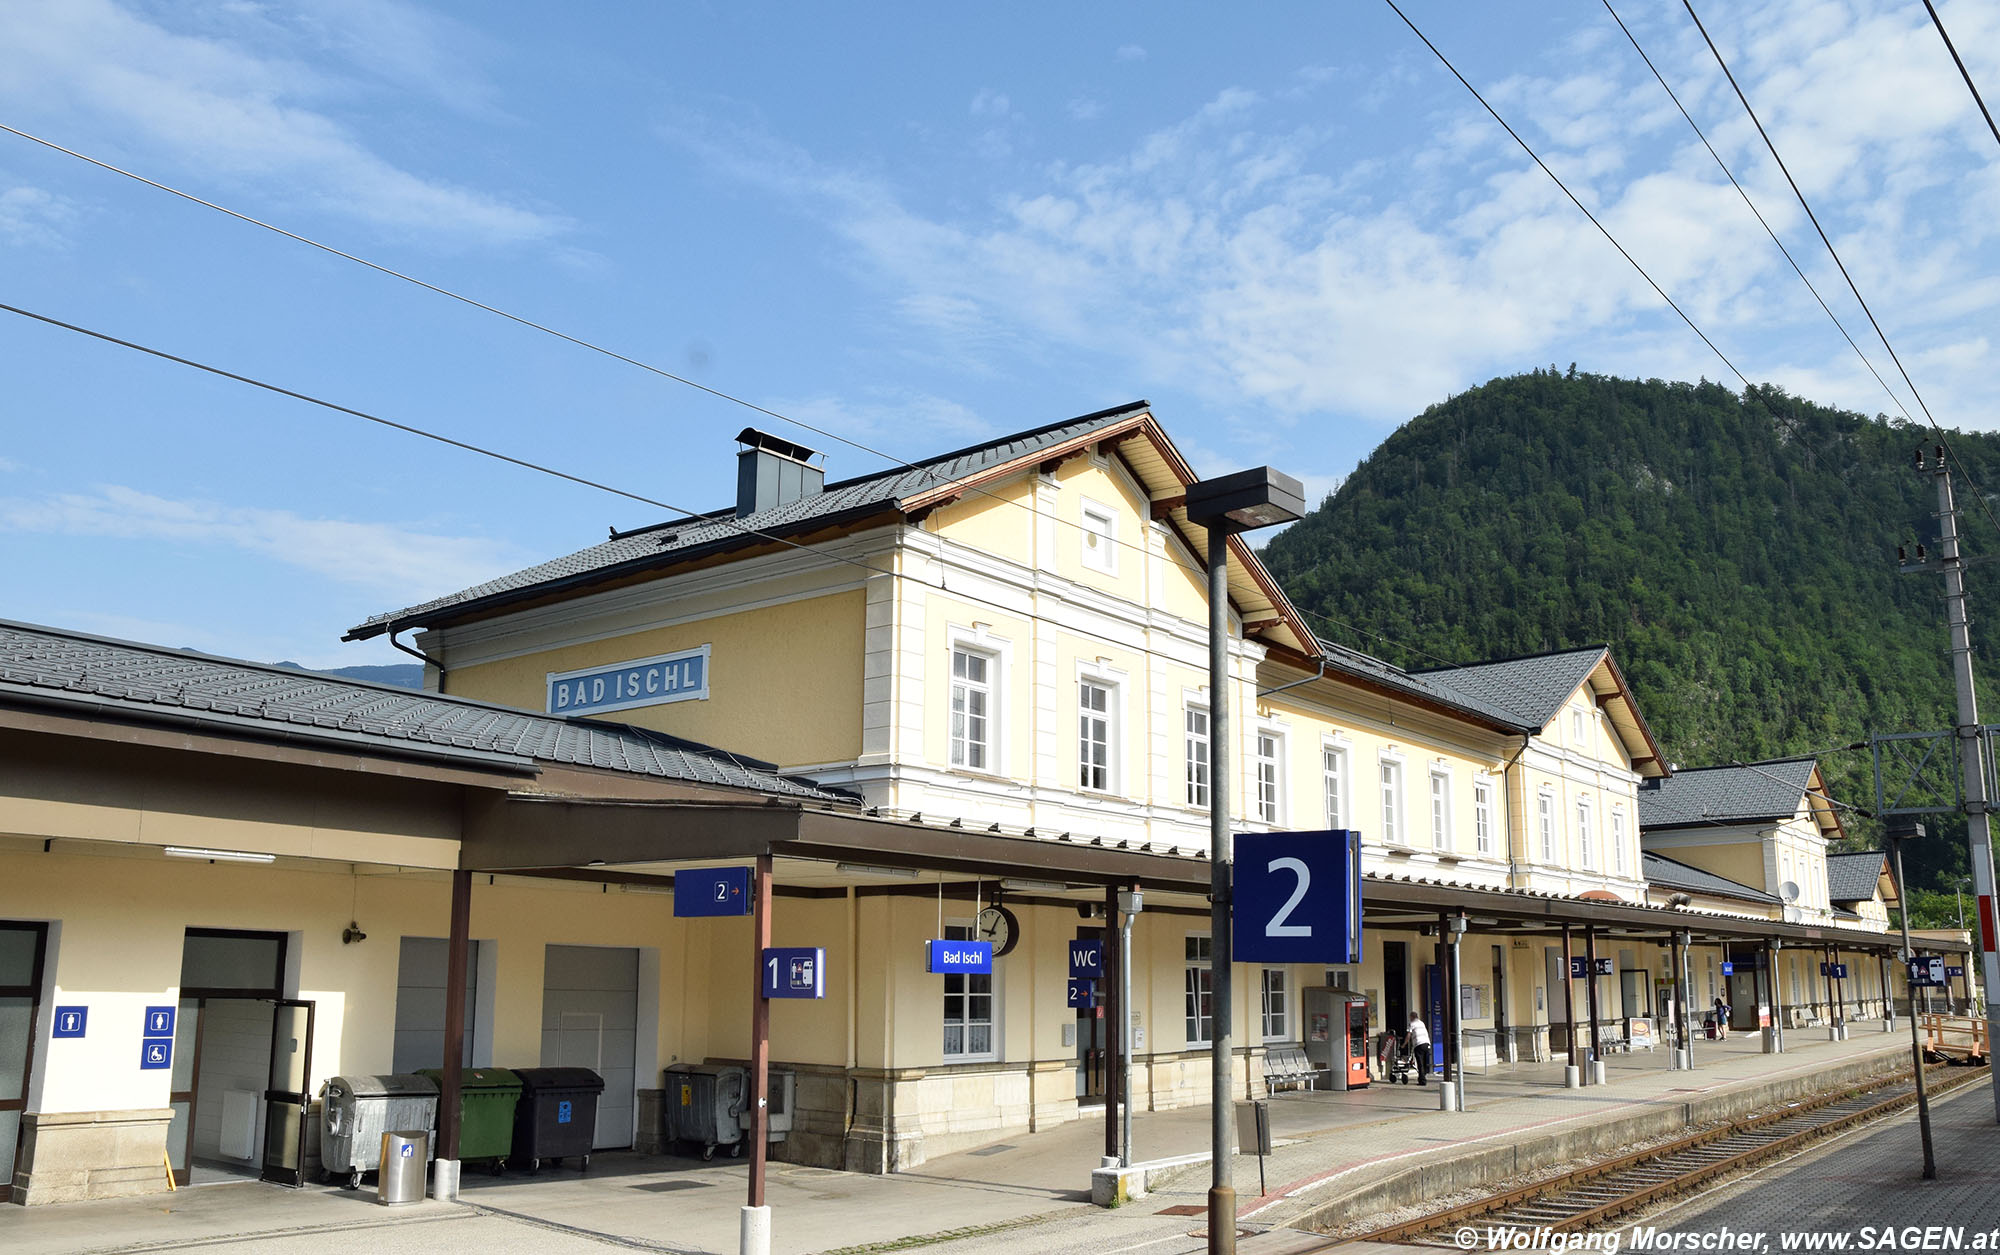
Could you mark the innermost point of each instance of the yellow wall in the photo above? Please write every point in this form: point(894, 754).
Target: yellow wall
point(1742, 863)
point(784, 680)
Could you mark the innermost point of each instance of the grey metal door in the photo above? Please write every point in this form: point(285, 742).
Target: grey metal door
point(286, 1096)
point(590, 1019)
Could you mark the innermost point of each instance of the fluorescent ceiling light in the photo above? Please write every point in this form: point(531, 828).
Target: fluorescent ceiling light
point(862, 869)
point(220, 856)
point(1031, 886)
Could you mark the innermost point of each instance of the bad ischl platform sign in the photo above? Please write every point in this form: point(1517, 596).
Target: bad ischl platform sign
point(1297, 897)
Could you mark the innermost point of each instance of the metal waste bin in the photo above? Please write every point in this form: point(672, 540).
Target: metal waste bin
point(486, 1099)
point(704, 1101)
point(360, 1109)
point(403, 1155)
point(556, 1117)
point(783, 1092)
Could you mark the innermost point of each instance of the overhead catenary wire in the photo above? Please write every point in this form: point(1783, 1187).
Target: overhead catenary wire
point(1833, 252)
point(441, 438)
point(1744, 193)
point(1962, 71)
point(1581, 207)
point(1192, 567)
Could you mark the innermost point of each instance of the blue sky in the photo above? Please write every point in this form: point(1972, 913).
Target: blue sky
point(913, 225)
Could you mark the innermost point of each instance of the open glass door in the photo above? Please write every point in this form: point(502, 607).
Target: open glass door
point(186, 1084)
point(286, 1097)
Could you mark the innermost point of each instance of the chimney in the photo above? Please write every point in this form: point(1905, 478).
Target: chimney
point(772, 471)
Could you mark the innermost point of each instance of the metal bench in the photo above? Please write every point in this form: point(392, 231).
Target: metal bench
point(1286, 1067)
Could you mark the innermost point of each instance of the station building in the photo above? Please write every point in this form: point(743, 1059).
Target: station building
point(966, 696)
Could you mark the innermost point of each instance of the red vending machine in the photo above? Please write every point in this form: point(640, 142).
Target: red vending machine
point(1337, 1037)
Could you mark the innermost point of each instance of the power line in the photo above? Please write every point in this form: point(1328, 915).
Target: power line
point(1835, 254)
point(1759, 216)
point(1566, 192)
point(440, 438)
point(930, 472)
point(1962, 71)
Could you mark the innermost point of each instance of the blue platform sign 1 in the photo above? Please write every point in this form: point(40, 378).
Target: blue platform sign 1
point(794, 972)
point(1082, 993)
point(675, 677)
point(712, 891)
point(1837, 971)
point(1086, 958)
point(156, 1053)
point(70, 1022)
point(159, 1022)
point(1954, 969)
point(950, 958)
point(1298, 897)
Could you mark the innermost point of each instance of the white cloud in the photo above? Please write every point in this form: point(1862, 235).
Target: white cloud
point(1130, 52)
point(990, 104)
point(382, 558)
point(8, 466)
point(244, 107)
point(33, 216)
point(1246, 255)
point(1086, 109)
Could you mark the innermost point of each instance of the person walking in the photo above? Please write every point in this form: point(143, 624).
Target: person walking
point(1721, 1020)
point(1419, 1040)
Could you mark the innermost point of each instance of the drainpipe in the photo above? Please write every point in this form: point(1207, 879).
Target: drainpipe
point(420, 656)
point(1297, 683)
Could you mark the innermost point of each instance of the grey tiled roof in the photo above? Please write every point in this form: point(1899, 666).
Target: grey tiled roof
point(1667, 873)
point(675, 541)
point(1533, 689)
point(1853, 877)
point(1725, 795)
point(254, 699)
point(1425, 686)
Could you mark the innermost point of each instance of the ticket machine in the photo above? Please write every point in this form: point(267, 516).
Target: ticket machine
point(1337, 1037)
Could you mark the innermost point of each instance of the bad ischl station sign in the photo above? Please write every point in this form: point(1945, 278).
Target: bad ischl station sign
point(675, 677)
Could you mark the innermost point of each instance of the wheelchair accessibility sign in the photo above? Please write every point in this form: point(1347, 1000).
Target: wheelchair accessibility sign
point(407, 1151)
point(155, 1054)
point(564, 1111)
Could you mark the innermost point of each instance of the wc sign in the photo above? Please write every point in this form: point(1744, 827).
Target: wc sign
point(1086, 959)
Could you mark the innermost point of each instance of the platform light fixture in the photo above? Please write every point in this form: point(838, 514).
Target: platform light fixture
point(218, 856)
point(1224, 506)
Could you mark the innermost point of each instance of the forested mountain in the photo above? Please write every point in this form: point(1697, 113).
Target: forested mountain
point(1738, 554)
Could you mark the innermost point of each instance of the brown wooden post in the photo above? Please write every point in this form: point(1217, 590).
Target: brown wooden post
point(457, 951)
point(1569, 995)
point(1590, 960)
point(1113, 1007)
point(760, 1033)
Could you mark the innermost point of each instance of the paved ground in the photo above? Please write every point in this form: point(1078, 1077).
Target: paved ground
point(1027, 1194)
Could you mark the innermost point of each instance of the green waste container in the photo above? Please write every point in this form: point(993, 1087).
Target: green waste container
point(486, 1098)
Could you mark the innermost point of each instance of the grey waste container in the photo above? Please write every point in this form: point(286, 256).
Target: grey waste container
point(703, 1101)
point(403, 1154)
point(360, 1109)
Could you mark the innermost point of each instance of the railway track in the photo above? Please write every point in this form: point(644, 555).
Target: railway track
point(1600, 1192)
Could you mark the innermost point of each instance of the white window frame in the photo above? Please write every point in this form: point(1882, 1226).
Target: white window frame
point(962, 930)
point(1198, 982)
point(1103, 554)
point(1395, 814)
point(1268, 773)
point(1577, 726)
point(1197, 788)
point(1276, 1029)
point(1482, 813)
point(959, 751)
point(1618, 860)
point(1545, 819)
point(1586, 841)
point(1336, 782)
point(999, 653)
point(1439, 797)
point(1096, 734)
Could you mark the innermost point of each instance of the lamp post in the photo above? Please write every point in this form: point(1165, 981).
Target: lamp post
point(1901, 830)
point(1224, 506)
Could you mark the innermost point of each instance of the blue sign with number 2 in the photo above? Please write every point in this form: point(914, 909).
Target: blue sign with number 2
point(1298, 897)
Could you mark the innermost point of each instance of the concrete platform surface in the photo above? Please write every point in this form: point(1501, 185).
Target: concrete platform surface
point(1025, 1194)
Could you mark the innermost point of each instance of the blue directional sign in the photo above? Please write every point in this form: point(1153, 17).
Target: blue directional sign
point(949, 958)
point(1086, 958)
point(70, 1022)
point(794, 972)
point(155, 1053)
point(1579, 968)
point(1082, 993)
point(676, 677)
point(1927, 970)
point(700, 891)
point(1298, 897)
point(1729, 969)
point(159, 1022)
point(1954, 969)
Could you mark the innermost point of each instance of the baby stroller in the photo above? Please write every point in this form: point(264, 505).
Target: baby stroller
point(1402, 1058)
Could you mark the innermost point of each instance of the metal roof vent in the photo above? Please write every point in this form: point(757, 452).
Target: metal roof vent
point(772, 471)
